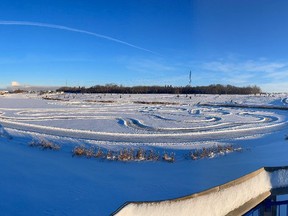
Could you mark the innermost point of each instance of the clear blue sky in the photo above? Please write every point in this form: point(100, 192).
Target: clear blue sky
point(238, 42)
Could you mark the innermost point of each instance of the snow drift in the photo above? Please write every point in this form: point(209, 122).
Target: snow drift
point(4, 133)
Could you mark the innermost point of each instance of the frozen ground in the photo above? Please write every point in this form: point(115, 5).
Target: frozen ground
point(35, 182)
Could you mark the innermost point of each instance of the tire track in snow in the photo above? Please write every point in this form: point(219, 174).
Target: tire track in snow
point(200, 124)
point(138, 137)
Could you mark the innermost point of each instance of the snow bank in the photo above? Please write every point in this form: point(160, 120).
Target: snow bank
point(220, 200)
point(4, 133)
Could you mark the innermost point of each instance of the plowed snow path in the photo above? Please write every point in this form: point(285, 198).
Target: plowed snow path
point(129, 122)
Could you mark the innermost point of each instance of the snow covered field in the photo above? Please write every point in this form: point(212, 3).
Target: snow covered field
point(35, 182)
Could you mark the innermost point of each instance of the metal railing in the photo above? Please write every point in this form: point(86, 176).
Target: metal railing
point(270, 207)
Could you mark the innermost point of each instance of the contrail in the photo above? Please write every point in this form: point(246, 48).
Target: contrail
point(47, 25)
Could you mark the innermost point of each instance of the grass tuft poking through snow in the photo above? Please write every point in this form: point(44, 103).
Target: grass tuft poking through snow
point(125, 154)
point(44, 145)
point(213, 151)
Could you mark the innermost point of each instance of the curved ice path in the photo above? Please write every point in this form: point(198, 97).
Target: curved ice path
point(145, 124)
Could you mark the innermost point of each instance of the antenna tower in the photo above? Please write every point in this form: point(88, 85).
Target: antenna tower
point(190, 78)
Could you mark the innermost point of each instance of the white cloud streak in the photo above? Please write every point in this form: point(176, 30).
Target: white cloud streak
point(246, 66)
point(60, 27)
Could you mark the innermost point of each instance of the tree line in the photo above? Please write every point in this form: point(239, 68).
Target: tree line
point(211, 89)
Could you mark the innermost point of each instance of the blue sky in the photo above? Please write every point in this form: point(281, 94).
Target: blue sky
point(144, 42)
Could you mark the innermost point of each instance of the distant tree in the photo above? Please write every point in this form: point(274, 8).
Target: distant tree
point(211, 89)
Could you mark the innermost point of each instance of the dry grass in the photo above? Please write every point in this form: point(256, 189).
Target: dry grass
point(125, 155)
point(53, 99)
point(139, 154)
point(212, 152)
point(100, 101)
point(169, 158)
point(156, 103)
point(44, 145)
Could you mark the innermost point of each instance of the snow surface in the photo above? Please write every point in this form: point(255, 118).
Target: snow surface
point(35, 182)
point(126, 120)
point(279, 179)
point(216, 203)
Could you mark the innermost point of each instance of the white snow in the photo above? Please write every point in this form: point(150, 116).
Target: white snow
point(279, 178)
point(126, 120)
point(215, 203)
point(36, 182)
point(4, 133)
